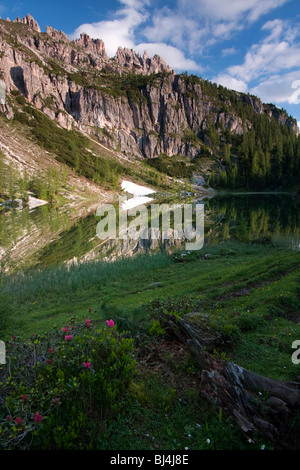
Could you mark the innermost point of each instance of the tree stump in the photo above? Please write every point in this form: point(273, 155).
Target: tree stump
point(257, 404)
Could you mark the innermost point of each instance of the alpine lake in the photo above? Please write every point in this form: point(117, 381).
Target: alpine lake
point(47, 236)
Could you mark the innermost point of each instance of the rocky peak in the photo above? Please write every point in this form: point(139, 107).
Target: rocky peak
point(143, 64)
point(93, 46)
point(57, 35)
point(30, 21)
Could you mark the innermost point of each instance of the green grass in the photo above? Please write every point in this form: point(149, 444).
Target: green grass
point(250, 292)
point(247, 292)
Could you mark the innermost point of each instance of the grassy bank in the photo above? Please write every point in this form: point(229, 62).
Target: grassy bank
point(248, 292)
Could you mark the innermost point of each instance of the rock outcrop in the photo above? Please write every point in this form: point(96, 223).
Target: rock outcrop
point(141, 64)
point(30, 21)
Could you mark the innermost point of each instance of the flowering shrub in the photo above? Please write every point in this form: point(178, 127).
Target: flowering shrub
point(58, 390)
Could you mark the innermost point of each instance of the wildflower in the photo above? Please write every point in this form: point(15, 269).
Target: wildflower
point(18, 420)
point(24, 397)
point(37, 417)
point(56, 401)
point(14, 337)
point(68, 337)
point(90, 309)
point(51, 350)
point(87, 365)
point(65, 330)
point(87, 322)
point(48, 361)
point(8, 418)
point(110, 323)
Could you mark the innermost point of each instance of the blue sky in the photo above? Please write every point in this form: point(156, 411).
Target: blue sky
point(247, 45)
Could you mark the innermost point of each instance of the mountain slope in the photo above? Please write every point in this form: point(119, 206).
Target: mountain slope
point(140, 108)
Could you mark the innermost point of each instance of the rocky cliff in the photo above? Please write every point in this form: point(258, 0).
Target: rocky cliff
point(131, 102)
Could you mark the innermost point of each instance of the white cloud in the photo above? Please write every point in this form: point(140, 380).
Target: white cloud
point(198, 24)
point(280, 88)
point(231, 10)
point(173, 56)
point(273, 64)
point(229, 51)
point(230, 82)
point(264, 59)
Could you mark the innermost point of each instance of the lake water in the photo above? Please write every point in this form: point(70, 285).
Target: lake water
point(47, 236)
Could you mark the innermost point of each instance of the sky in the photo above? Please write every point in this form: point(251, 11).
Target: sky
point(252, 46)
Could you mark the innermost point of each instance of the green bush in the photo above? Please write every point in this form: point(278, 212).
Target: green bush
point(59, 390)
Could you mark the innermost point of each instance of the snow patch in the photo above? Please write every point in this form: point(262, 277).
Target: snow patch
point(135, 201)
point(136, 189)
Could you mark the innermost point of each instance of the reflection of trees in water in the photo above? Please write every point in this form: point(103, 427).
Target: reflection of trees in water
point(253, 217)
point(72, 242)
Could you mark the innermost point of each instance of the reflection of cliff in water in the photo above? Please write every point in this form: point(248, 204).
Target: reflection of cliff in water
point(47, 236)
point(113, 249)
point(24, 234)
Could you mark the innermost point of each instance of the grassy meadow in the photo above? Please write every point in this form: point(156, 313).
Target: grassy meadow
point(250, 292)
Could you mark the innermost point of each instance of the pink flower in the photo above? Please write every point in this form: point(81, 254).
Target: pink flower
point(14, 337)
point(8, 418)
point(90, 309)
point(87, 365)
point(68, 337)
point(87, 322)
point(51, 350)
point(24, 397)
point(37, 417)
point(65, 329)
point(110, 323)
point(18, 420)
point(48, 361)
point(56, 400)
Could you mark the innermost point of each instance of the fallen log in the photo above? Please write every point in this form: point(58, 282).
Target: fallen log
point(257, 404)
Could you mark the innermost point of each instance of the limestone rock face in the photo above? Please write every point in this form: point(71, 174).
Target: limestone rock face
point(92, 46)
point(141, 64)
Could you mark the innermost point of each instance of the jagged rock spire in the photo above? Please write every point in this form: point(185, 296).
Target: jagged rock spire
point(30, 21)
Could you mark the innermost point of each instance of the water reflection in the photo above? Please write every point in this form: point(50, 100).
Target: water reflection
point(48, 236)
point(254, 218)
